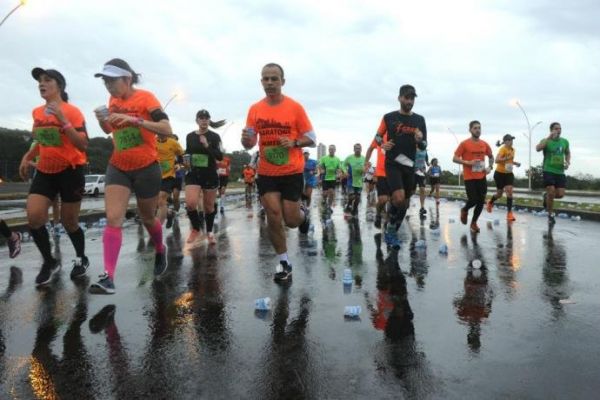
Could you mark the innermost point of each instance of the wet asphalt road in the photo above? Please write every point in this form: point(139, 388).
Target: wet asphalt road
point(526, 325)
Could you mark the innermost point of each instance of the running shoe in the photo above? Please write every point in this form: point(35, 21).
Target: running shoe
point(306, 223)
point(489, 206)
point(551, 220)
point(103, 319)
point(80, 266)
point(212, 240)
point(475, 228)
point(170, 217)
point(422, 211)
point(510, 216)
point(49, 269)
point(104, 285)
point(283, 272)
point(160, 264)
point(194, 235)
point(14, 244)
point(222, 210)
point(464, 215)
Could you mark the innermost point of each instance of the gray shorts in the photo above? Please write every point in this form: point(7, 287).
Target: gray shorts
point(145, 182)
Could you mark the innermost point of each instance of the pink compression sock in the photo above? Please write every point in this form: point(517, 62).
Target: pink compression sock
point(112, 239)
point(157, 236)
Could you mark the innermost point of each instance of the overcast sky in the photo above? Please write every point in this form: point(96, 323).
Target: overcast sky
point(343, 60)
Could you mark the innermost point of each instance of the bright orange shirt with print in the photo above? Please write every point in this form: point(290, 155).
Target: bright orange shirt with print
point(134, 147)
point(272, 123)
point(471, 150)
point(249, 174)
point(168, 150)
point(380, 168)
point(224, 166)
point(56, 151)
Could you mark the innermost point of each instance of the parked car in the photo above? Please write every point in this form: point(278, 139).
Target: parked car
point(94, 184)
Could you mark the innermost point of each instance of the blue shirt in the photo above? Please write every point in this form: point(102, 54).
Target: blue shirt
point(310, 165)
point(421, 160)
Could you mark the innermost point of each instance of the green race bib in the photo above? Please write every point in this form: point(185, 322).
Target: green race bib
point(165, 166)
point(200, 160)
point(277, 155)
point(128, 138)
point(49, 136)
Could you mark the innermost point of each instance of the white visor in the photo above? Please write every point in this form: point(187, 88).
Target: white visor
point(113, 72)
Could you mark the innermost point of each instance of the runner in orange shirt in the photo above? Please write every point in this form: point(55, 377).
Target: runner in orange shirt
point(134, 118)
point(249, 174)
point(471, 154)
point(282, 128)
point(383, 190)
point(223, 169)
point(61, 140)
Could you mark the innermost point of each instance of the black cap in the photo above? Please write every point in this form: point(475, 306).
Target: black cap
point(52, 73)
point(203, 114)
point(407, 90)
point(507, 137)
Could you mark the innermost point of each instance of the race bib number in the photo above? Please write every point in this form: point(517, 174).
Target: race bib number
point(128, 138)
point(277, 155)
point(49, 137)
point(557, 161)
point(165, 166)
point(508, 167)
point(221, 171)
point(479, 166)
point(436, 174)
point(200, 160)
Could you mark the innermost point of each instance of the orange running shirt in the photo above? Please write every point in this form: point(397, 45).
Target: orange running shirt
point(505, 166)
point(272, 123)
point(380, 168)
point(224, 166)
point(56, 151)
point(249, 174)
point(167, 152)
point(134, 147)
point(470, 150)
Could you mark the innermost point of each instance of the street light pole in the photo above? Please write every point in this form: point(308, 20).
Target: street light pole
point(170, 100)
point(529, 135)
point(457, 142)
point(21, 3)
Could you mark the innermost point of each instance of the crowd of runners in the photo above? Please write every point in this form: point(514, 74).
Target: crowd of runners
point(149, 162)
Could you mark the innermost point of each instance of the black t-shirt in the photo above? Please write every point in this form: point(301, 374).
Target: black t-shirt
point(401, 130)
point(204, 157)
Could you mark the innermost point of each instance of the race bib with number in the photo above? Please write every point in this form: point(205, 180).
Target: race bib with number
point(436, 175)
point(200, 160)
point(277, 155)
point(479, 166)
point(49, 137)
point(128, 138)
point(509, 168)
point(165, 166)
point(221, 171)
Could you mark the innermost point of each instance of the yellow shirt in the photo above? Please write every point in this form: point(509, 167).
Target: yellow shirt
point(167, 152)
point(506, 165)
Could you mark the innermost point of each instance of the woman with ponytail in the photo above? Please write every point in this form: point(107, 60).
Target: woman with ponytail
point(134, 118)
point(61, 140)
point(203, 148)
point(503, 176)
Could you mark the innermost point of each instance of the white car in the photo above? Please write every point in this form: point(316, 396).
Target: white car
point(94, 184)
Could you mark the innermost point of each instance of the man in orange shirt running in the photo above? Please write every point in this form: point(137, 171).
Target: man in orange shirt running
point(471, 154)
point(223, 170)
point(282, 128)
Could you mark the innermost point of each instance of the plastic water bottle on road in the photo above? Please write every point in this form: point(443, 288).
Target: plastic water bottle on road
point(263, 304)
point(352, 312)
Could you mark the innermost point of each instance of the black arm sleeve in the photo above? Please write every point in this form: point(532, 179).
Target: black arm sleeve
point(158, 115)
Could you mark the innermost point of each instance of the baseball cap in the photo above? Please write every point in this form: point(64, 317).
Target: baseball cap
point(507, 137)
point(52, 73)
point(407, 90)
point(203, 114)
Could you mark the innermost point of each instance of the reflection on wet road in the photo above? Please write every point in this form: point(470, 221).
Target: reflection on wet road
point(509, 313)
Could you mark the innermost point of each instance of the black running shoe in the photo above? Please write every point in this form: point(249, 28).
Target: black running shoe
point(305, 225)
point(169, 219)
point(103, 318)
point(283, 272)
point(422, 211)
point(49, 269)
point(14, 244)
point(80, 266)
point(160, 264)
point(104, 285)
point(222, 211)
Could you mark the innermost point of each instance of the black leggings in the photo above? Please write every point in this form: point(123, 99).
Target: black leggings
point(476, 191)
